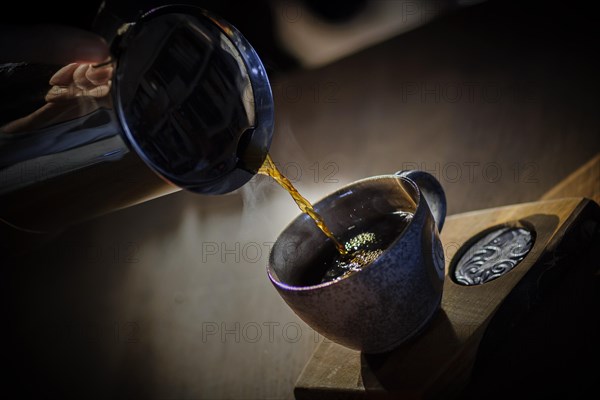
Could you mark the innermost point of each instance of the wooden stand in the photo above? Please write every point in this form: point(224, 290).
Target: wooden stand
point(480, 325)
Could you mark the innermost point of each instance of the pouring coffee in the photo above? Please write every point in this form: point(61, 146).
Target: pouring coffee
point(188, 106)
point(389, 285)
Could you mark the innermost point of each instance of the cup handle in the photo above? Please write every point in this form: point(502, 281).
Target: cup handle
point(433, 192)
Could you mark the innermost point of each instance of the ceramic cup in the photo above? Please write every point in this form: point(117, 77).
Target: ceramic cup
point(390, 300)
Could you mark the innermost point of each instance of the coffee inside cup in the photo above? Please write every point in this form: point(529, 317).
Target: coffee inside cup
point(364, 244)
point(366, 218)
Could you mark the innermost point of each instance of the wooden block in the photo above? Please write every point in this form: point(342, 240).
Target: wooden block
point(438, 362)
point(585, 182)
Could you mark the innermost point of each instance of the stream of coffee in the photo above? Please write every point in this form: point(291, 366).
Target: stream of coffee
point(269, 168)
point(359, 251)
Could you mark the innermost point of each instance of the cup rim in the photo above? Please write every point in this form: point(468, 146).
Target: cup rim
point(294, 288)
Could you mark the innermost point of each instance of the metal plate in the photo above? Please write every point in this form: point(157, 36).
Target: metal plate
point(493, 255)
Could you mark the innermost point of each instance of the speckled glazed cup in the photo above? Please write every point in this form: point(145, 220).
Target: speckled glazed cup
point(387, 302)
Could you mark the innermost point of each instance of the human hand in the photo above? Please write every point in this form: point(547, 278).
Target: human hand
point(76, 87)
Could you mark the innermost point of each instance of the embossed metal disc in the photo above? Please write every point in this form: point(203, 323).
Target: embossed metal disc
point(493, 255)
